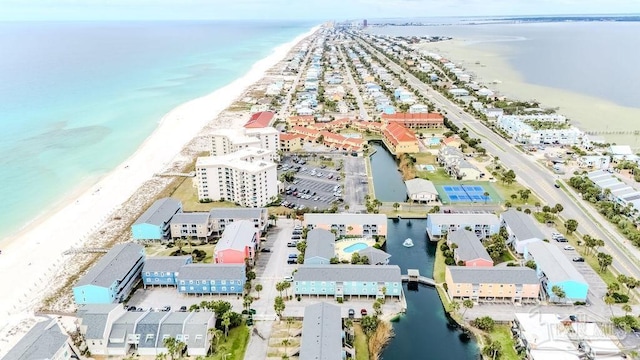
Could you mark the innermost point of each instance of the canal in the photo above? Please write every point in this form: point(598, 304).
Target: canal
point(424, 332)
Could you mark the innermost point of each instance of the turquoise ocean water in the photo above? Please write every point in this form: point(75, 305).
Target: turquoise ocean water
point(76, 99)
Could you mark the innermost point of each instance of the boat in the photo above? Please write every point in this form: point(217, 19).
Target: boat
point(408, 243)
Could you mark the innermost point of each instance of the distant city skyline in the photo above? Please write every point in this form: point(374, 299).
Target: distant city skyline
point(323, 10)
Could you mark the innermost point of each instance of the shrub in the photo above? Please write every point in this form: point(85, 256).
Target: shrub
point(620, 298)
point(449, 261)
point(484, 323)
point(444, 247)
point(340, 300)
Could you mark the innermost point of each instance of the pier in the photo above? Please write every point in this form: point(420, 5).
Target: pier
point(613, 132)
point(413, 275)
point(177, 174)
point(74, 251)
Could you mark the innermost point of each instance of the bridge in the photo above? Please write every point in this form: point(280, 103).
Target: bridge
point(414, 276)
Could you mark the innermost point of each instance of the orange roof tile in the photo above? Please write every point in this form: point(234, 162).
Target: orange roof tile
point(408, 116)
point(288, 136)
point(397, 133)
point(259, 120)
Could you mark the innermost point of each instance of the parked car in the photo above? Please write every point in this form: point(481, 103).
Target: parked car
point(293, 256)
point(132, 308)
point(363, 312)
point(265, 250)
point(295, 237)
point(183, 308)
point(292, 244)
point(569, 247)
point(166, 308)
point(352, 313)
point(578, 259)
point(288, 278)
point(292, 261)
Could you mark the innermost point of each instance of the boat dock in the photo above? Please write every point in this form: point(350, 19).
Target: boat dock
point(413, 275)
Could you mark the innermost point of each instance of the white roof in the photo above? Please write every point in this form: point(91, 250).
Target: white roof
point(241, 159)
point(620, 150)
point(415, 186)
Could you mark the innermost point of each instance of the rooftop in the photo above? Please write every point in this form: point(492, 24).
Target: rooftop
point(320, 243)
point(190, 218)
point(165, 263)
point(160, 212)
point(259, 120)
point(469, 246)
point(418, 185)
point(41, 342)
point(114, 265)
point(212, 271)
point(237, 236)
point(493, 275)
point(376, 256)
point(248, 159)
point(397, 133)
point(522, 225)
point(376, 273)
point(238, 213)
point(555, 265)
point(464, 219)
point(345, 218)
point(321, 332)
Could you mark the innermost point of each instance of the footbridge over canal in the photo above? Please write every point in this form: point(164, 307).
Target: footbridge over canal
point(413, 275)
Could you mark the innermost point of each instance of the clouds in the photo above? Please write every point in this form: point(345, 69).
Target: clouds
point(297, 9)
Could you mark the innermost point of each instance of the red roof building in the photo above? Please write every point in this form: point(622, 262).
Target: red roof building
point(399, 140)
point(260, 119)
point(416, 121)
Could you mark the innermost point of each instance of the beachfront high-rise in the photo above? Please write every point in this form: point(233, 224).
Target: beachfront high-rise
point(247, 177)
point(227, 141)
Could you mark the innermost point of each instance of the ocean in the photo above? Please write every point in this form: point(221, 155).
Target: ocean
point(590, 58)
point(78, 98)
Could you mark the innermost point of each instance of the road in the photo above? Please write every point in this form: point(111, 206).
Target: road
point(284, 110)
point(529, 173)
point(354, 87)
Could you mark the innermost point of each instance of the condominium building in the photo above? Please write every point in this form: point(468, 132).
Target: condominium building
point(246, 177)
point(227, 141)
point(483, 225)
point(348, 224)
point(489, 283)
point(541, 129)
point(399, 140)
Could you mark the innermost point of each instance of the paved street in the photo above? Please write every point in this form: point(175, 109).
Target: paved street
point(534, 176)
point(356, 186)
point(354, 88)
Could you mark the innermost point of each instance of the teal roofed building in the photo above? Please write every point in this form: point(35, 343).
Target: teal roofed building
point(155, 223)
point(113, 277)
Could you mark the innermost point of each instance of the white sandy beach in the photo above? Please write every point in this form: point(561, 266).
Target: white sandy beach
point(32, 260)
point(487, 61)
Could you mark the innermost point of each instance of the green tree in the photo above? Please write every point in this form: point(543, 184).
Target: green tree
point(627, 309)
point(509, 177)
point(484, 323)
point(609, 300)
point(274, 219)
point(531, 264)
point(396, 205)
point(604, 260)
point(258, 289)
point(571, 225)
point(493, 349)
point(377, 307)
point(279, 306)
point(369, 324)
point(280, 286)
point(175, 348)
point(355, 258)
point(226, 322)
point(467, 304)
point(455, 306)
point(216, 335)
point(558, 292)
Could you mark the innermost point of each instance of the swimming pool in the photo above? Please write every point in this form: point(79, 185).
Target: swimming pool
point(355, 247)
point(434, 141)
point(430, 167)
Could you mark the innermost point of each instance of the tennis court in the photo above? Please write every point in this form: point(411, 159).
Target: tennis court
point(468, 193)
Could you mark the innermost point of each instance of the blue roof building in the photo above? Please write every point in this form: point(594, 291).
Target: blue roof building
point(154, 224)
point(320, 247)
point(113, 277)
point(162, 270)
point(211, 279)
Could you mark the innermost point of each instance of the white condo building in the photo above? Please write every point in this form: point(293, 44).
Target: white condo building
point(227, 141)
point(247, 177)
point(518, 127)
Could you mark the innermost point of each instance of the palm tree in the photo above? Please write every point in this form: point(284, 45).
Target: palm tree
point(226, 322)
point(286, 342)
point(609, 300)
point(258, 289)
point(455, 306)
point(467, 304)
point(216, 335)
point(627, 309)
point(486, 197)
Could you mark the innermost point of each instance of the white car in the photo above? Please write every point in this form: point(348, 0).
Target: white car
point(569, 247)
point(288, 278)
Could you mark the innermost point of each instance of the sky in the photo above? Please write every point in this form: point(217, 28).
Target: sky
point(298, 9)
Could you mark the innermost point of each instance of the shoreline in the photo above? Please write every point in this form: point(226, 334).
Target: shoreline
point(36, 253)
point(490, 63)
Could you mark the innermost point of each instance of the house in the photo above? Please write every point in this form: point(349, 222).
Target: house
point(291, 142)
point(622, 152)
point(399, 140)
point(493, 113)
point(45, 340)
point(522, 229)
point(421, 190)
point(469, 251)
point(375, 256)
point(418, 109)
point(239, 242)
point(147, 330)
point(191, 225)
point(459, 92)
point(153, 224)
point(172, 327)
point(302, 121)
point(322, 334)
point(422, 120)
point(211, 279)
point(464, 170)
point(483, 225)
point(341, 280)
point(452, 141)
point(222, 217)
point(123, 338)
point(320, 247)
point(555, 269)
point(95, 321)
point(162, 270)
point(259, 120)
point(517, 284)
point(196, 332)
point(113, 277)
point(600, 162)
point(346, 224)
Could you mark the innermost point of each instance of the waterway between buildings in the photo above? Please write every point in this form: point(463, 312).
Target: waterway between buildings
point(424, 332)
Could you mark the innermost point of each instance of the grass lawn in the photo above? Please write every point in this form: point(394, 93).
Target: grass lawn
point(360, 343)
point(188, 194)
point(235, 344)
point(161, 250)
point(502, 334)
point(437, 177)
point(506, 257)
point(424, 158)
point(506, 191)
point(439, 265)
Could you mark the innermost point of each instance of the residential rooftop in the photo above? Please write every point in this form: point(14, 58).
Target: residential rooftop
point(114, 265)
point(159, 212)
